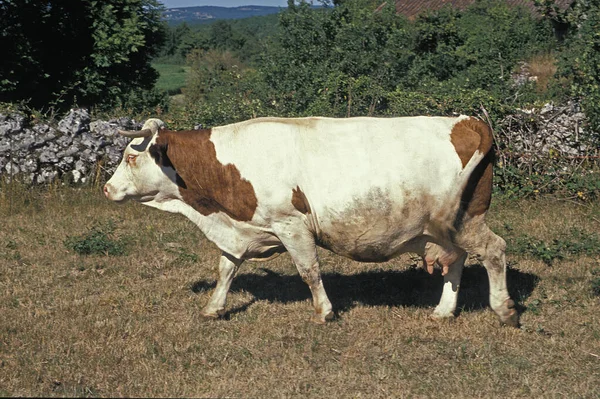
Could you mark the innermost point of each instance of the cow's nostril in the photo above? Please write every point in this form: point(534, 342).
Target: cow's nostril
point(106, 190)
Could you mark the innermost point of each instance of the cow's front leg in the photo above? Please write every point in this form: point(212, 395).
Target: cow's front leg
point(228, 266)
point(303, 250)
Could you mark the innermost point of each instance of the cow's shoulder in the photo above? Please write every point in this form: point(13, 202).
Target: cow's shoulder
point(205, 183)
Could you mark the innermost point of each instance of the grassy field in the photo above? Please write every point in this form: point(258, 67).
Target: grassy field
point(128, 324)
point(171, 77)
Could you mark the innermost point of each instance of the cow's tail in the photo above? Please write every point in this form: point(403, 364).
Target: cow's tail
point(441, 224)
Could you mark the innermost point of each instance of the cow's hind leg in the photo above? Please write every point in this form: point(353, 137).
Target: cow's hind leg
point(303, 250)
point(447, 305)
point(228, 266)
point(476, 237)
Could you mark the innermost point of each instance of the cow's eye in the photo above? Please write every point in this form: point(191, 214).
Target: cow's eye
point(131, 159)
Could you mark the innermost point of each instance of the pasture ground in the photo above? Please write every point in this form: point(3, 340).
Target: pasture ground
point(129, 324)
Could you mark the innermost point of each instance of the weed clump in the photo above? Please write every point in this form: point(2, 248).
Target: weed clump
point(99, 240)
point(573, 242)
point(596, 286)
point(596, 282)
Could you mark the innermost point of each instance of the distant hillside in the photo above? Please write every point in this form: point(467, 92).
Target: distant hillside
point(211, 13)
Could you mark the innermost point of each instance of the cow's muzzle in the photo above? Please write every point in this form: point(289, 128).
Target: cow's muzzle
point(106, 191)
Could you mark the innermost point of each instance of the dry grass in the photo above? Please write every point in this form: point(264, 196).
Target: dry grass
point(542, 66)
point(129, 325)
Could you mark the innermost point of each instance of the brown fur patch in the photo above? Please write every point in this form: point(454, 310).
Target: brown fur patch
point(465, 140)
point(467, 136)
point(478, 194)
point(300, 201)
point(208, 185)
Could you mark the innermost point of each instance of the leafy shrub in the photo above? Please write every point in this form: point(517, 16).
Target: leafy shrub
point(135, 102)
point(447, 100)
point(580, 62)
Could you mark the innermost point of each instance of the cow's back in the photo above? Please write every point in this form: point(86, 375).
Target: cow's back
point(366, 186)
point(338, 158)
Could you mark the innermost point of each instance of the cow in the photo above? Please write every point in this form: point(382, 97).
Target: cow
point(365, 188)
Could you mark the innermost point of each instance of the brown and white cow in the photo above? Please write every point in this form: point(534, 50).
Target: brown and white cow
point(365, 188)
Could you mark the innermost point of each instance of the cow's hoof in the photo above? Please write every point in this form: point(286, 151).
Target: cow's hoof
point(213, 315)
point(321, 318)
point(511, 316)
point(512, 320)
point(442, 316)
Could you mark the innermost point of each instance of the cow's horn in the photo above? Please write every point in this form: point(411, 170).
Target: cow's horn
point(136, 133)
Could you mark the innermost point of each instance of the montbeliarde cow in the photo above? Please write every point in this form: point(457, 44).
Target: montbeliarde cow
point(365, 188)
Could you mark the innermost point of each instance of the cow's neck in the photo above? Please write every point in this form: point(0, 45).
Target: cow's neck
point(216, 227)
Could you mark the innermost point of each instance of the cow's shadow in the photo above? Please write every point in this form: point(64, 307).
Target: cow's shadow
point(411, 287)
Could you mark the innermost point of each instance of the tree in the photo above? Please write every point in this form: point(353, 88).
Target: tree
point(221, 89)
point(295, 65)
point(89, 52)
point(335, 61)
point(223, 37)
point(174, 37)
point(581, 60)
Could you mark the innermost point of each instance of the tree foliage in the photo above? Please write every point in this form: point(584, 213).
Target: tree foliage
point(244, 36)
point(351, 58)
point(357, 58)
point(89, 52)
point(581, 59)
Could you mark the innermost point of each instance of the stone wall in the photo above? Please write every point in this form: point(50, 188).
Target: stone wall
point(74, 148)
point(70, 150)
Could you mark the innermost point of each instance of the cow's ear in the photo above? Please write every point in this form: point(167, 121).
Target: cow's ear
point(159, 153)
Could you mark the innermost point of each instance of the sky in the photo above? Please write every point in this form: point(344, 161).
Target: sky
point(223, 3)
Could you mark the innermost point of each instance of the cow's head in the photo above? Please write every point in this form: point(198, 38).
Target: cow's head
point(138, 176)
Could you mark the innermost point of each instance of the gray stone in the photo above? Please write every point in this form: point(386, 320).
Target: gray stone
point(5, 146)
point(46, 176)
point(65, 164)
point(12, 168)
point(81, 166)
point(77, 176)
point(76, 121)
point(48, 156)
point(546, 108)
point(26, 143)
point(30, 165)
point(102, 128)
point(63, 140)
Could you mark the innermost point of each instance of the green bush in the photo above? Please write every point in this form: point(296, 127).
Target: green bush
point(446, 102)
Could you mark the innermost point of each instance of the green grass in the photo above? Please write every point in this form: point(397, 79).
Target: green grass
point(104, 325)
point(171, 77)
